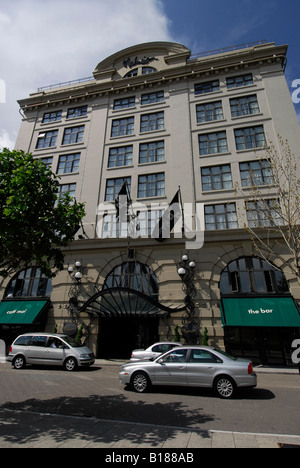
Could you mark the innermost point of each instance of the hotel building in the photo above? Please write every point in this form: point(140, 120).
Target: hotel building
point(158, 118)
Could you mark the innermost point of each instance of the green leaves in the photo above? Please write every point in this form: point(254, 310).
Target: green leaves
point(34, 223)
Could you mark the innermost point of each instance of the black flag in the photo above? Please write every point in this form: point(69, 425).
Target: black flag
point(122, 202)
point(168, 220)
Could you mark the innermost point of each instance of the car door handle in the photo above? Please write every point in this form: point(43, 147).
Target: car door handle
point(210, 368)
point(181, 367)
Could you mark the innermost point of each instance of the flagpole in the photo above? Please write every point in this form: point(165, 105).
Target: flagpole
point(182, 208)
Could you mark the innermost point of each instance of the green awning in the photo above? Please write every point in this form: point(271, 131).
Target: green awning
point(20, 312)
point(260, 312)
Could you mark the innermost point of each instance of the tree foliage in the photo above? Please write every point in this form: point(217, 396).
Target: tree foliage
point(34, 222)
point(273, 207)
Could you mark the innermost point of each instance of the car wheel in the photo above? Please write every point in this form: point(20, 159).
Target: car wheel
point(224, 387)
point(70, 364)
point(140, 382)
point(19, 362)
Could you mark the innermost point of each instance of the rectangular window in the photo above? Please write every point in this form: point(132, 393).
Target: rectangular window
point(238, 81)
point(124, 103)
point(152, 122)
point(249, 138)
point(220, 217)
point(152, 185)
point(152, 98)
point(208, 87)
point(113, 187)
point(73, 135)
point(216, 178)
point(122, 127)
point(244, 106)
point(75, 112)
point(68, 163)
point(52, 116)
point(47, 139)
point(66, 189)
point(263, 213)
point(152, 152)
point(209, 112)
point(254, 173)
point(212, 143)
point(47, 161)
point(119, 157)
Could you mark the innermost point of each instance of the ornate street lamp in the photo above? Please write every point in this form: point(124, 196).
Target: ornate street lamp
point(190, 325)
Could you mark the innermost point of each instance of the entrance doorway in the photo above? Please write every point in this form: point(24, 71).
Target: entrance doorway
point(263, 345)
point(119, 336)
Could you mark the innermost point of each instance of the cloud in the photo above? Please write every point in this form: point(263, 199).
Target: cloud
point(50, 41)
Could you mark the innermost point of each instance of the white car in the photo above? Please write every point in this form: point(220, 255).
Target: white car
point(153, 351)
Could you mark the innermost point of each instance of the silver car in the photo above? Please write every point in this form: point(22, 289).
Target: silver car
point(194, 366)
point(153, 351)
point(49, 349)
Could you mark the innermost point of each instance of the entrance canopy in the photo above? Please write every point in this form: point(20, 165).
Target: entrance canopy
point(260, 312)
point(21, 312)
point(124, 302)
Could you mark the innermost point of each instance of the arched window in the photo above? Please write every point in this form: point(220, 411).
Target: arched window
point(133, 275)
point(252, 275)
point(29, 283)
point(140, 71)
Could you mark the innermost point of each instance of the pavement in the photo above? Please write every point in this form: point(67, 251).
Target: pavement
point(25, 429)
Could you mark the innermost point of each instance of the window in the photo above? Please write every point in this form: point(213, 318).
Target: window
point(244, 106)
point(124, 103)
point(252, 275)
point(216, 178)
point(39, 341)
point(66, 189)
point(29, 283)
point(219, 217)
point(152, 185)
point(133, 275)
point(147, 222)
point(68, 163)
point(249, 138)
point(52, 116)
point(47, 161)
point(152, 98)
point(178, 355)
point(213, 143)
point(73, 135)
point(152, 152)
point(47, 139)
point(148, 70)
point(209, 112)
point(238, 81)
point(256, 173)
point(208, 87)
point(122, 127)
point(76, 112)
point(264, 213)
point(141, 71)
point(151, 122)
point(132, 73)
point(113, 187)
point(201, 356)
point(119, 157)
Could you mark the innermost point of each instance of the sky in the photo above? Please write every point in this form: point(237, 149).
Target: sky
point(50, 41)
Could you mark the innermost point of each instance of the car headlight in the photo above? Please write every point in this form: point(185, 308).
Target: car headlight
point(84, 356)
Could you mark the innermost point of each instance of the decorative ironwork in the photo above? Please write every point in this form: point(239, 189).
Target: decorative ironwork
point(123, 302)
point(190, 325)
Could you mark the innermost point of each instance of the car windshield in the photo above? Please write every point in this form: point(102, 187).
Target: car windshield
point(72, 342)
point(225, 354)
